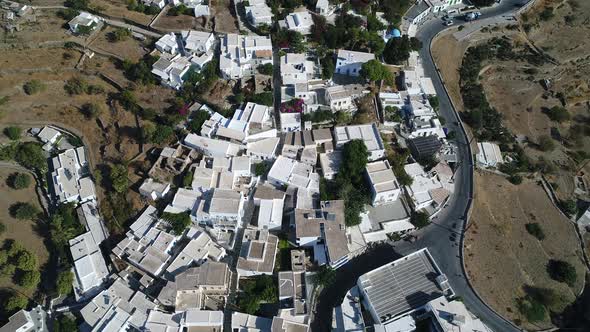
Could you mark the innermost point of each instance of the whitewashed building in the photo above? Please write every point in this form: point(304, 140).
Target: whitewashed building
point(241, 55)
point(384, 185)
point(368, 133)
point(70, 177)
point(350, 62)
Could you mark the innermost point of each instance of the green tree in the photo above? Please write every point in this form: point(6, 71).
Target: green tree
point(31, 156)
point(397, 50)
point(420, 219)
point(324, 276)
point(374, 71)
point(562, 271)
point(14, 302)
point(187, 180)
point(265, 69)
point(162, 134)
point(63, 284)
point(14, 248)
point(535, 230)
point(355, 157)
point(20, 180)
point(64, 324)
point(3, 256)
point(178, 221)
point(261, 169)
point(85, 30)
point(34, 86)
point(78, 4)
point(24, 211)
point(374, 24)
point(29, 279)
point(8, 270)
point(119, 178)
point(26, 261)
point(196, 121)
point(13, 132)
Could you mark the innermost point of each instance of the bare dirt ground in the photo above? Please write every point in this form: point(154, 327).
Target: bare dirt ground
point(130, 48)
point(514, 88)
point(25, 232)
point(501, 256)
point(44, 26)
point(118, 9)
point(225, 18)
point(181, 22)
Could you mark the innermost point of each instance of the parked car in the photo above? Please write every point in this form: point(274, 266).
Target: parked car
point(448, 23)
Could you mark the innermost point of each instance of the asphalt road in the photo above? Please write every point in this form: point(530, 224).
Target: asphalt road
point(444, 237)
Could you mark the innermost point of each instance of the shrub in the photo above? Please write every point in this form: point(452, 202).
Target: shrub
point(76, 86)
point(515, 179)
point(178, 221)
point(119, 34)
point(562, 271)
point(535, 230)
point(546, 143)
point(33, 87)
point(264, 98)
point(119, 178)
point(19, 180)
point(265, 69)
point(91, 110)
point(546, 296)
point(532, 310)
point(13, 132)
point(64, 324)
point(557, 113)
point(24, 211)
point(546, 14)
point(569, 207)
point(2, 230)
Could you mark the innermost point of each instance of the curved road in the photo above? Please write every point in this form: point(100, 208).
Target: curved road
point(444, 237)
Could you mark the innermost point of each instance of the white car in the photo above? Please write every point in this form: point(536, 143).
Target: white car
point(448, 23)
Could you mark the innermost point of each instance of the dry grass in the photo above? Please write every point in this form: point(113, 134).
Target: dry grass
point(181, 22)
point(24, 232)
point(502, 257)
point(118, 9)
point(225, 19)
point(130, 48)
point(45, 27)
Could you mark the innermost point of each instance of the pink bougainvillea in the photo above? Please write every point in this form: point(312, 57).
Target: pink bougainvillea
point(292, 106)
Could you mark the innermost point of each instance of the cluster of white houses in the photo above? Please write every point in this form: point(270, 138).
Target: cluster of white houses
point(162, 280)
